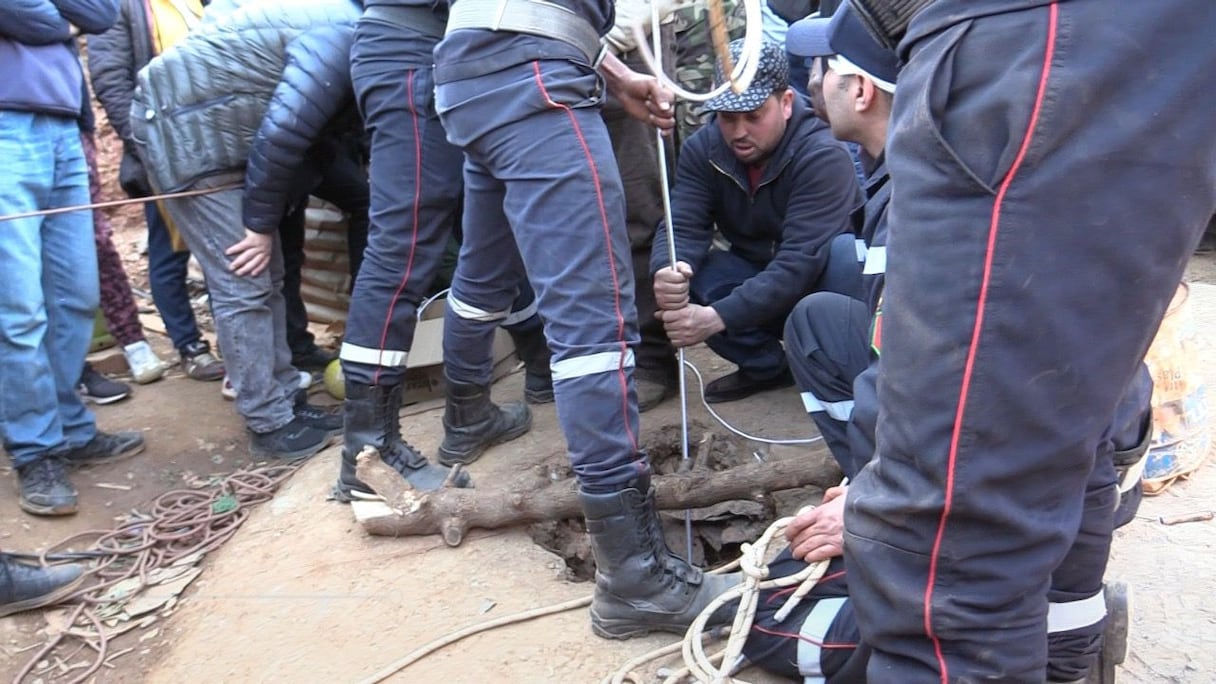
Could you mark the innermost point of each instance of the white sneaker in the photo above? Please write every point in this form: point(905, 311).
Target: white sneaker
point(145, 365)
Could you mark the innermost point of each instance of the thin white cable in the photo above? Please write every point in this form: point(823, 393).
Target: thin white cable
point(656, 31)
point(737, 431)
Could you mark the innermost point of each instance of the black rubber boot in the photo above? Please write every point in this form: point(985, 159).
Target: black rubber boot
point(25, 587)
point(372, 417)
point(1114, 634)
point(640, 586)
point(533, 350)
point(472, 423)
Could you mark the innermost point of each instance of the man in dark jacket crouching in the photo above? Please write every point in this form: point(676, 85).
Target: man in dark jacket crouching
point(780, 190)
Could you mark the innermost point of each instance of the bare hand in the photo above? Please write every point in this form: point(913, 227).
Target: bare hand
point(641, 95)
point(690, 325)
point(251, 255)
point(818, 534)
point(671, 286)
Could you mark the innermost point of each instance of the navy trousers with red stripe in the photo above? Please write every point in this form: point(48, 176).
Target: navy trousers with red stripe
point(415, 193)
point(1054, 171)
point(416, 190)
point(542, 191)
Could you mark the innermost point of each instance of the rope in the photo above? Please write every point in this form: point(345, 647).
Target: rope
point(436, 644)
point(740, 76)
point(183, 523)
point(121, 203)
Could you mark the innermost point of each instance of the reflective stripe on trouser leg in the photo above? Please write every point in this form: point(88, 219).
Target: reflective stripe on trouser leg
point(415, 188)
point(826, 346)
point(990, 423)
point(565, 206)
point(813, 633)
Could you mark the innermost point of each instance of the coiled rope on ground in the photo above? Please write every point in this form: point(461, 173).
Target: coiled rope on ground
point(182, 523)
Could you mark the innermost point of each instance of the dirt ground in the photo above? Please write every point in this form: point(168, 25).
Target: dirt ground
point(302, 594)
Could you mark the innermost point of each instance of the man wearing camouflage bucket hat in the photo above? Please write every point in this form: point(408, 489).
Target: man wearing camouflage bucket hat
point(776, 184)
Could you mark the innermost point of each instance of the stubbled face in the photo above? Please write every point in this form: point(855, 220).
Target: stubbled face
point(754, 135)
point(838, 101)
point(814, 88)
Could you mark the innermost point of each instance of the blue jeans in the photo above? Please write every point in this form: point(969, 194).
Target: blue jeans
point(167, 277)
point(51, 286)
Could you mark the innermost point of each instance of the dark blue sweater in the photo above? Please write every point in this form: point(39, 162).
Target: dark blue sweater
point(42, 72)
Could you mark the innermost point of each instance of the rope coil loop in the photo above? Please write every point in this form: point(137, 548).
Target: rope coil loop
point(741, 74)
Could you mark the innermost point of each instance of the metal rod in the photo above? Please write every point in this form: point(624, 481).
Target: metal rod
point(655, 31)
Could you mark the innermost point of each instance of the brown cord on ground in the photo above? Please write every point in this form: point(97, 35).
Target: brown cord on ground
point(183, 522)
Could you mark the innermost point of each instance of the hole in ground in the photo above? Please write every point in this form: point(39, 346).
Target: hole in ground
point(718, 531)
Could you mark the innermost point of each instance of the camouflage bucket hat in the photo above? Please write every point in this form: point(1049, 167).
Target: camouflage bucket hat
point(772, 75)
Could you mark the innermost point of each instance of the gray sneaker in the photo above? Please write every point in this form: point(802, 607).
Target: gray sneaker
point(106, 447)
point(45, 489)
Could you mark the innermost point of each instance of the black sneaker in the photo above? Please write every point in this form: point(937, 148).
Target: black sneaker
point(99, 389)
point(25, 587)
point(327, 419)
point(315, 359)
point(45, 489)
point(295, 440)
point(106, 447)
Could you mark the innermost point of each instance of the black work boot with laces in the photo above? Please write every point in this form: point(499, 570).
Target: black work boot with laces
point(472, 423)
point(640, 586)
point(533, 350)
point(45, 489)
point(26, 587)
point(372, 419)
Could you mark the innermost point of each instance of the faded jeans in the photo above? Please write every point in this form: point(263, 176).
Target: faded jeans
point(250, 318)
point(50, 290)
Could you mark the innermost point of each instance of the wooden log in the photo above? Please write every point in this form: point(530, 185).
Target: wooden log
point(534, 496)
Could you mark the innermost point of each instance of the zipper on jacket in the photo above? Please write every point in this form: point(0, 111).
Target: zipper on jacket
point(203, 104)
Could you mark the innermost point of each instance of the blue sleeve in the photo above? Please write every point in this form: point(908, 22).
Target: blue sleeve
point(315, 86)
point(44, 22)
point(90, 16)
point(33, 22)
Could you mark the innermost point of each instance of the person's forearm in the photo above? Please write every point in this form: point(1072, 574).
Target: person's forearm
point(615, 73)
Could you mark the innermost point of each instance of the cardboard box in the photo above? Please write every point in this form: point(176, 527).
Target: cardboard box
point(424, 379)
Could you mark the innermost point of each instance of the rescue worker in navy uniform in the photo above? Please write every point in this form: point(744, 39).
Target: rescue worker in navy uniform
point(819, 637)
point(828, 335)
point(416, 190)
point(769, 178)
point(1027, 272)
point(519, 87)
